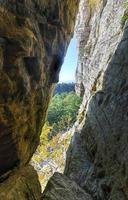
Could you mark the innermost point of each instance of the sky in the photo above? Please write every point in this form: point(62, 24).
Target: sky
point(67, 73)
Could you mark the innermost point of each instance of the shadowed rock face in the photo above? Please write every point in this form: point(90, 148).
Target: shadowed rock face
point(101, 166)
point(34, 36)
point(97, 159)
point(98, 155)
point(62, 188)
point(22, 184)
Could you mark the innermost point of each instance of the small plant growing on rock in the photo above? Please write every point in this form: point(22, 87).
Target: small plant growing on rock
point(125, 15)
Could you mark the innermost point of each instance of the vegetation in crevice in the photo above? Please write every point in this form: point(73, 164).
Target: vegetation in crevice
point(63, 110)
point(55, 137)
point(125, 15)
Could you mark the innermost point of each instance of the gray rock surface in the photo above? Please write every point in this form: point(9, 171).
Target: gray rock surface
point(62, 188)
point(98, 154)
point(98, 30)
point(97, 159)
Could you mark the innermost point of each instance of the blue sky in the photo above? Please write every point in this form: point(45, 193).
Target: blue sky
point(69, 66)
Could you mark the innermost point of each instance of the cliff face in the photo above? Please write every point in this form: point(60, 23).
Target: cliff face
point(98, 154)
point(33, 39)
point(97, 157)
point(98, 30)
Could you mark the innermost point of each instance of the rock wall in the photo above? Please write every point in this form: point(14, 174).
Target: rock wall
point(34, 35)
point(98, 30)
point(97, 157)
point(98, 153)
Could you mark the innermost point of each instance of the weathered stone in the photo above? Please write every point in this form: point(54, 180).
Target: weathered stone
point(21, 185)
point(61, 188)
point(34, 36)
point(98, 30)
point(98, 154)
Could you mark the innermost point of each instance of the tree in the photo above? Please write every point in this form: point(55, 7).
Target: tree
point(51, 153)
point(63, 111)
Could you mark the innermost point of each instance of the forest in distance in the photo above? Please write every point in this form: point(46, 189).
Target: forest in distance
point(55, 137)
point(64, 88)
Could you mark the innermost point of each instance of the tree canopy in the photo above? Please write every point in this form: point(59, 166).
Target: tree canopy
point(63, 110)
point(54, 140)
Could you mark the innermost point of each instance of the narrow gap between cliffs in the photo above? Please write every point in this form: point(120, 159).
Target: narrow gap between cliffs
point(50, 155)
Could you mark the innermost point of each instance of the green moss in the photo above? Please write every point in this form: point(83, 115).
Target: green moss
point(125, 16)
point(124, 19)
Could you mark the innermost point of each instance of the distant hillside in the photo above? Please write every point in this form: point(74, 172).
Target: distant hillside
point(64, 88)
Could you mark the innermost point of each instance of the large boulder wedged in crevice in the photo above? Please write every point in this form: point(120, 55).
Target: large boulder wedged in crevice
point(21, 185)
point(61, 187)
point(34, 36)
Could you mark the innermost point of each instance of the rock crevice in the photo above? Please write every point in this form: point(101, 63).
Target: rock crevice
point(34, 35)
point(97, 156)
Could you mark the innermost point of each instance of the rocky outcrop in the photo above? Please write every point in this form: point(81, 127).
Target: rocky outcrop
point(22, 184)
point(97, 157)
point(99, 31)
point(101, 166)
point(62, 188)
point(98, 153)
point(34, 36)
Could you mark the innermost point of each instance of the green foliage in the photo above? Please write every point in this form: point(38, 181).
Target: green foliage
point(124, 19)
point(125, 16)
point(126, 4)
point(42, 153)
point(52, 150)
point(63, 111)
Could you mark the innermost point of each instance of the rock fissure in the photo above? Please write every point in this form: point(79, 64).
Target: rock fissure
point(94, 158)
point(34, 35)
